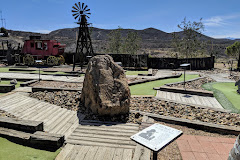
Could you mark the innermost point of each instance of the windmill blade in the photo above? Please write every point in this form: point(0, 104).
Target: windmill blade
point(82, 5)
point(74, 11)
point(88, 13)
point(88, 10)
point(87, 16)
point(74, 8)
point(79, 4)
point(76, 17)
point(75, 14)
point(85, 7)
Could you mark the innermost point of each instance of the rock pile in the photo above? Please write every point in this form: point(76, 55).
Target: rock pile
point(195, 84)
point(65, 99)
point(71, 101)
point(166, 108)
point(105, 88)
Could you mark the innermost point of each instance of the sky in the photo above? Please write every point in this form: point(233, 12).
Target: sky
point(220, 17)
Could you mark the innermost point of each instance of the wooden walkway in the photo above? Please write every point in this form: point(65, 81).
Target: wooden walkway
point(190, 99)
point(43, 77)
point(97, 140)
point(56, 119)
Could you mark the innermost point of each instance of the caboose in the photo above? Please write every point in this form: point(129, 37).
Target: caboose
point(50, 51)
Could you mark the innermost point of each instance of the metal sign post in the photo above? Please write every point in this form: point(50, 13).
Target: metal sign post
point(156, 137)
point(185, 65)
point(39, 63)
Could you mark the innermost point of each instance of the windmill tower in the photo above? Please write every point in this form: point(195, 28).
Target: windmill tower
point(84, 47)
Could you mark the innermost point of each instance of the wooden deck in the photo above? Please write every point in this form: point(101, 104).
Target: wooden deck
point(56, 119)
point(190, 99)
point(43, 77)
point(97, 140)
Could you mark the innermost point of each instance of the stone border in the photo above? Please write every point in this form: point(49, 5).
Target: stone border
point(195, 105)
point(49, 89)
point(153, 79)
point(185, 91)
point(194, 124)
point(25, 84)
point(168, 84)
point(5, 88)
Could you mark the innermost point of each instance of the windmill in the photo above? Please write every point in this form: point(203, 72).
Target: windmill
point(84, 47)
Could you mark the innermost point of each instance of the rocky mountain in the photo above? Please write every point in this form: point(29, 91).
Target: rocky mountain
point(154, 41)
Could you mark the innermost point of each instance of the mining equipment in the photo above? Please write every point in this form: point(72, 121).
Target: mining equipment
point(49, 51)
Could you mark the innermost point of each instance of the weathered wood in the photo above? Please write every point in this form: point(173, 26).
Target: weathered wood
point(116, 126)
point(127, 154)
point(14, 134)
point(89, 143)
point(109, 153)
point(65, 151)
point(21, 125)
point(141, 153)
point(118, 154)
point(108, 123)
point(100, 153)
point(24, 84)
point(46, 140)
point(102, 136)
point(82, 151)
point(91, 152)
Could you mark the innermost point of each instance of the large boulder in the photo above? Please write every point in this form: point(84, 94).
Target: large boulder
point(105, 88)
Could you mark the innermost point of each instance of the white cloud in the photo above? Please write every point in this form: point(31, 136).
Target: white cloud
point(220, 20)
point(43, 31)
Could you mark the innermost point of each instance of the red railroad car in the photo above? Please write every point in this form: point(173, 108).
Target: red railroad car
point(48, 50)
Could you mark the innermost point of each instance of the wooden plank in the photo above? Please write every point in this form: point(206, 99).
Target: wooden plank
point(50, 120)
point(100, 140)
point(10, 102)
point(63, 122)
point(69, 131)
point(30, 111)
point(91, 153)
point(22, 125)
point(47, 114)
point(103, 132)
point(96, 135)
point(109, 153)
point(111, 123)
point(36, 112)
point(89, 143)
point(118, 154)
point(100, 153)
point(24, 108)
point(111, 126)
point(17, 105)
point(72, 154)
point(127, 154)
point(109, 129)
point(69, 127)
point(58, 121)
point(41, 113)
point(82, 152)
point(65, 151)
point(141, 153)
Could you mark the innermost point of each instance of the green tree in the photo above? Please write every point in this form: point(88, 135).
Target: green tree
point(234, 51)
point(189, 43)
point(131, 43)
point(4, 31)
point(115, 41)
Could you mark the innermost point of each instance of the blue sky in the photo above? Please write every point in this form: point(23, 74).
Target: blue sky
point(221, 17)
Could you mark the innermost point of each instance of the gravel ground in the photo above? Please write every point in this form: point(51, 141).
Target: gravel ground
point(71, 100)
point(196, 84)
point(56, 84)
point(166, 108)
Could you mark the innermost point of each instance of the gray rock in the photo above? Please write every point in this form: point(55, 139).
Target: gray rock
point(14, 81)
point(105, 88)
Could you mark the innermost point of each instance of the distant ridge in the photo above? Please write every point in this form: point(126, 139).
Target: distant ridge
point(152, 38)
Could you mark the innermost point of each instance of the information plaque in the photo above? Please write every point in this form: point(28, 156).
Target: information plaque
point(156, 136)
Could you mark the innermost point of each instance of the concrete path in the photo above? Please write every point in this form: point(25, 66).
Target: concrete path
point(220, 77)
point(56, 119)
point(190, 99)
point(204, 147)
point(43, 77)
